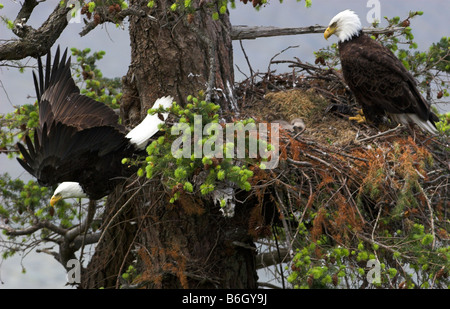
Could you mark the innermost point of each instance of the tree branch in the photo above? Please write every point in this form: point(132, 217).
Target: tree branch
point(106, 16)
point(84, 240)
point(30, 230)
point(268, 259)
point(84, 226)
point(24, 14)
point(254, 32)
point(34, 42)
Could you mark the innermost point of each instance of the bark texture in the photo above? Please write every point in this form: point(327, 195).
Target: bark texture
point(171, 55)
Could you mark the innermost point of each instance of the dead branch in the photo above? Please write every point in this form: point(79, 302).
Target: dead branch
point(254, 32)
point(397, 128)
point(299, 163)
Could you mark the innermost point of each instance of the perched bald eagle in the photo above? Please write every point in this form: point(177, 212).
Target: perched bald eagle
point(79, 141)
point(378, 79)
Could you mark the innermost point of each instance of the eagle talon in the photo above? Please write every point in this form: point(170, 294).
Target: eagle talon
point(359, 118)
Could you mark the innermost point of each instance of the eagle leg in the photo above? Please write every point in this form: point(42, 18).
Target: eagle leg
point(360, 118)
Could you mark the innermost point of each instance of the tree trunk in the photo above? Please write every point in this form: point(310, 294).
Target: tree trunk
point(189, 244)
point(172, 56)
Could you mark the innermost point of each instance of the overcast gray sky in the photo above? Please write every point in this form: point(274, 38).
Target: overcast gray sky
point(42, 270)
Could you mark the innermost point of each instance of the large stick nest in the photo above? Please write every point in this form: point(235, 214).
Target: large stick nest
point(347, 181)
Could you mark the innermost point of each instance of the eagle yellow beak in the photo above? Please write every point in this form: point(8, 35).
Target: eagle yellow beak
point(55, 199)
point(329, 32)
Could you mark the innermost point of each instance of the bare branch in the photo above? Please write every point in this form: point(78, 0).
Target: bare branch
point(268, 259)
point(84, 226)
point(250, 32)
point(34, 42)
point(20, 29)
point(31, 229)
point(397, 128)
point(83, 240)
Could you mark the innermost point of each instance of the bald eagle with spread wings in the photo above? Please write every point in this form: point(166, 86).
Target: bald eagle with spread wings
point(79, 142)
point(378, 79)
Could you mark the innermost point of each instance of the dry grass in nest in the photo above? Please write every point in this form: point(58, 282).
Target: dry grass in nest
point(332, 130)
point(309, 105)
point(295, 103)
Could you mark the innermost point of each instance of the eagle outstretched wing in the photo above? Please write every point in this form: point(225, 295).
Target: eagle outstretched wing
point(75, 133)
point(60, 99)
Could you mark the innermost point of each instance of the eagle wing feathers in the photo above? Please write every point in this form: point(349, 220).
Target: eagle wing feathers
point(379, 80)
point(78, 138)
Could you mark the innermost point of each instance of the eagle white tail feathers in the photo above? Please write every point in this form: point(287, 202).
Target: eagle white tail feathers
point(407, 119)
point(140, 135)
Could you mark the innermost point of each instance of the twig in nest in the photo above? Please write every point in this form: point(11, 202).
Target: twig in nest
point(277, 54)
point(379, 134)
point(431, 216)
point(299, 163)
point(248, 63)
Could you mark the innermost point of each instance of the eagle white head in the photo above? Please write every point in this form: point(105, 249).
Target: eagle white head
point(67, 189)
point(344, 25)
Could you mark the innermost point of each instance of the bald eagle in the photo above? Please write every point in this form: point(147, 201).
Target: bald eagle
point(79, 141)
point(378, 79)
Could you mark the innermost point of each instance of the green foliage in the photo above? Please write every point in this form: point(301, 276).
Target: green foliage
point(444, 125)
point(178, 172)
point(21, 200)
point(129, 275)
point(91, 7)
point(8, 22)
point(16, 125)
point(217, 7)
point(93, 4)
point(323, 264)
point(23, 204)
point(97, 87)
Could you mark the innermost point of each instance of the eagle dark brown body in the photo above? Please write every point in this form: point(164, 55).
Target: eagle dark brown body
point(379, 80)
